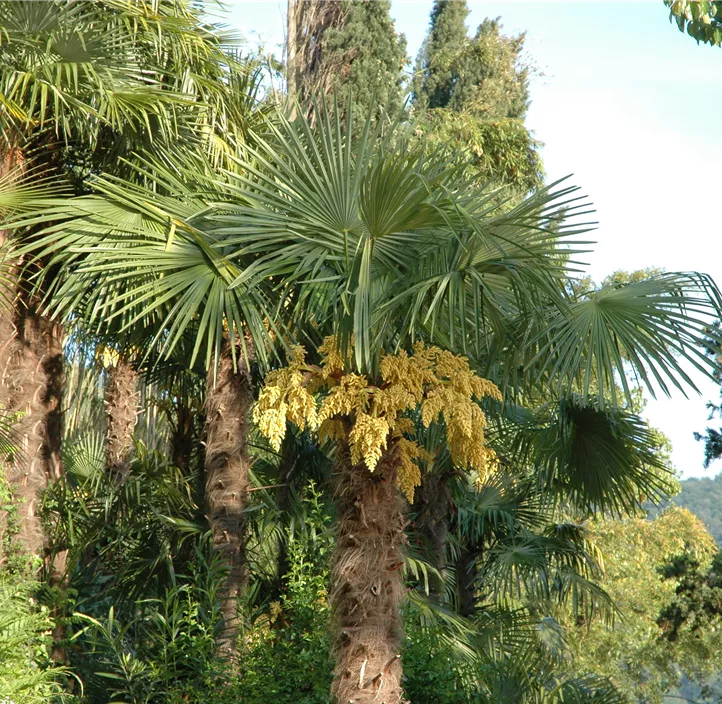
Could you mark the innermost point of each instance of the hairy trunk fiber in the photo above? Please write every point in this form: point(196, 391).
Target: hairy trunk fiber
point(432, 526)
point(31, 385)
point(367, 584)
point(226, 467)
point(121, 408)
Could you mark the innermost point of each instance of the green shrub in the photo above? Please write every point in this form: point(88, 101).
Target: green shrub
point(26, 675)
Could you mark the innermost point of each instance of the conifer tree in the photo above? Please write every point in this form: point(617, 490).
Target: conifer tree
point(482, 75)
point(346, 48)
point(438, 58)
point(471, 95)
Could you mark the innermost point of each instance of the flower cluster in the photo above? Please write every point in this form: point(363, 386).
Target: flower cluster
point(373, 418)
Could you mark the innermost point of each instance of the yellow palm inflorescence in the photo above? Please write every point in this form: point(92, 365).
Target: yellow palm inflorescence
point(373, 418)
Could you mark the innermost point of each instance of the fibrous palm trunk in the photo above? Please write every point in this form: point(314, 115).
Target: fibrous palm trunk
point(31, 388)
point(367, 583)
point(121, 408)
point(32, 383)
point(227, 463)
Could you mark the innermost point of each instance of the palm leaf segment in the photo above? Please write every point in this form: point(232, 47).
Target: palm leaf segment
point(87, 73)
point(385, 242)
point(145, 266)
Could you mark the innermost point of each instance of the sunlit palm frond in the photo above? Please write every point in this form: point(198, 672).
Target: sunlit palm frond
point(137, 257)
point(652, 330)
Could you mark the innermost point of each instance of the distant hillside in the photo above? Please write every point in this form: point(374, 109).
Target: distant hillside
point(704, 498)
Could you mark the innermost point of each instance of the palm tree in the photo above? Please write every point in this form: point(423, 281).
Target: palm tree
point(141, 269)
point(21, 195)
point(83, 85)
point(381, 244)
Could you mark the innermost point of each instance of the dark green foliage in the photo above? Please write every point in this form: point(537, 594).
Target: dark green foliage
point(471, 95)
point(127, 539)
point(287, 654)
point(712, 437)
point(350, 50)
point(163, 651)
point(436, 67)
point(374, 57)
point(595, 457)
point(483, 76)
point(498, 151)
point(24, 626)
point(697, 604)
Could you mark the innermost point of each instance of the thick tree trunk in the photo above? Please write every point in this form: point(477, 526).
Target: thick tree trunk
point(121, 408)
point(291, 41)
point(227, 462)
point(367, 584)
point(31, 385)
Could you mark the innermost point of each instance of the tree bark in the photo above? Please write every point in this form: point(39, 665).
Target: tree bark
point(226, 466)
point(121, 408)
point(367, 583)
point(291, 42)
point(31, 384)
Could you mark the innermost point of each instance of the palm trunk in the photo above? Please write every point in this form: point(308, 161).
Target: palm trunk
point(121, 408)
point(226, 467)
point(31, 385)
point(431, 506)
point(368, 586)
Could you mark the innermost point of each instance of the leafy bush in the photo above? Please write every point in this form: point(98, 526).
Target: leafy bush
point(25, 675)
point(165, 653)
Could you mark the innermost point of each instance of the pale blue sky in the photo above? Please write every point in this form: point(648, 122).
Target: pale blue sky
point(631, 107)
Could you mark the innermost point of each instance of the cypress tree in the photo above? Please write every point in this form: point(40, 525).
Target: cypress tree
point(482, 75)
point(437, 63)
point(490, 80)
point(471, 95)
point(347, 48)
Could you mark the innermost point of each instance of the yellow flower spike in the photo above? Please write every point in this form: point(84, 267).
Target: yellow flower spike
point(330, 430)
point(368, 439)
point(332, 362)
point(371, 417)
point(409, 473)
